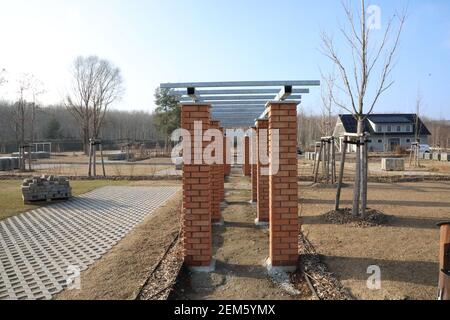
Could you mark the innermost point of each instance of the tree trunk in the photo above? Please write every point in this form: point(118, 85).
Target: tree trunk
point(364, 167)
point(357, 187)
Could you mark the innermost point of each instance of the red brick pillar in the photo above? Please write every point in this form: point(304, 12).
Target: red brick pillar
point(246, 166)
point(222, 172)
point(254, 166)
point(283, 187)
point(216, 175)
point(196, 211)
point(262, 180)
point(227, 166)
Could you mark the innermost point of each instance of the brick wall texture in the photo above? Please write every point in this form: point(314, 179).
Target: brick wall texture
point(196, 210)
point(283, 188)
point(262, 181)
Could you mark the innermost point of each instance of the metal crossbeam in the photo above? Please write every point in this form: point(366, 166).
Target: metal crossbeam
point(240, 103)
point(183, 92)
point(301, 83)
point(239, 98)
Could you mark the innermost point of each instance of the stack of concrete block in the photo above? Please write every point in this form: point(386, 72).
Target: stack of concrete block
point(120, 156)
point(46, 188)
point(436, 156)
point(393, 164)
point(9, 163)
point(310, 156)
point(445, 157)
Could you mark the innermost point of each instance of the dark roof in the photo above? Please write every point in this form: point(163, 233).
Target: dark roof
point(350, 124)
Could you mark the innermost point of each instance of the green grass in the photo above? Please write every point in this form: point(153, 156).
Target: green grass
point(11, 202)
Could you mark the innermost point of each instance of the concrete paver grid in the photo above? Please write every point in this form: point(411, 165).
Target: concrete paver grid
point(37, 247)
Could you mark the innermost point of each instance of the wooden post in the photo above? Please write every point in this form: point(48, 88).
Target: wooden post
point(318, 156)
point(333, 160)
point(324, 159)
point(341, 175)
point(444, 261)
point(315, 158)
point(103, 161)
point(90, 159)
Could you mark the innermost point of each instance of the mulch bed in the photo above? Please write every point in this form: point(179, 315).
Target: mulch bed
point(323, 284)
point(373, 218)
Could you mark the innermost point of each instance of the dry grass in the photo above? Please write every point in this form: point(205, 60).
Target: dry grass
point(406, 248)
point(11, 202)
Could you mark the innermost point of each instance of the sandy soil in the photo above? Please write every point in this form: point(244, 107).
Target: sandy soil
point(121, 272)
point(240, 250)
point(406, 249)
point(427, 168)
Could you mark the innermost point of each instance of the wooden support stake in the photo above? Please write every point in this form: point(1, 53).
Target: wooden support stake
point(319, 156)
point(103, 161)
point(90, 159)
point(341, 175)
point(444, 261)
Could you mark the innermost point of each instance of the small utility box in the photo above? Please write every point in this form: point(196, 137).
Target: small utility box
point(393, 164)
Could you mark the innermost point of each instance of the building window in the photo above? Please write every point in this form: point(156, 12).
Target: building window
point(408, 140)
point(389, 128)
point(408, 128)
point(379, 128)
point(399, 129)
point(380, 141)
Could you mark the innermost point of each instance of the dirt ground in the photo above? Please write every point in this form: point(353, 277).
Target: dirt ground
point(427, 168)
point(122, 272)
point(240, 251)
point(406, 249)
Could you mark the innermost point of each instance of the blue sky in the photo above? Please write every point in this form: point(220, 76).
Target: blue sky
point(208, 40)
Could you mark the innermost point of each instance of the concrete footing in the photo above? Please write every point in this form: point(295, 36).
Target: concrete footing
point(219, 223)
point(264, 224)
point(277, 269)
point(208, 269)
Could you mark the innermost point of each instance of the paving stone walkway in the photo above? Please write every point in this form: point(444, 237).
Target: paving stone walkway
point(39, 249)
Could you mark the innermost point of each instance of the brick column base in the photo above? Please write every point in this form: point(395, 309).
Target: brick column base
point(216, 175)
point(196, 210)
point(283, 187)
point(262, 212)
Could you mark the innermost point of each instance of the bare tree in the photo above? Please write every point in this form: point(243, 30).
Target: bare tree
point(36, 89)
point(327, 104)
point(97, 84)
point(367, 60)
point(20, 113)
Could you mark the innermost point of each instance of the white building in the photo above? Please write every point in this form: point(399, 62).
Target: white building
point(387, 131)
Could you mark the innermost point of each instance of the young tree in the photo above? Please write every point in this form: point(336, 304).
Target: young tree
point(97, 84)
point(367, 65)
point(20, 115)
point(167, 114)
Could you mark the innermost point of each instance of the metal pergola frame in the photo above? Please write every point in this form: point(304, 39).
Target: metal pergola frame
point(239, 103)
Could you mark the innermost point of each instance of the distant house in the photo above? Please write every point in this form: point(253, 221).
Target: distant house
point(387, 131)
